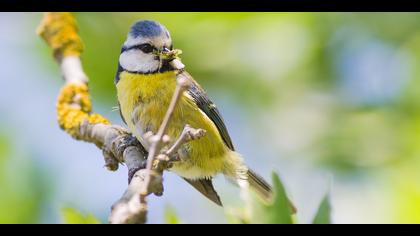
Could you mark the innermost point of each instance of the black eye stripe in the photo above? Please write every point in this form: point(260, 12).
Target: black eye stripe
point(145, 47)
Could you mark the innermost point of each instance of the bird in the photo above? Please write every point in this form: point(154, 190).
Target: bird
point(145, 82)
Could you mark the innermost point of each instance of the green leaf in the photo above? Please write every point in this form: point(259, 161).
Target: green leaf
point(276, 212)
point(72, 216)
point(323, 216)
point(171, 217)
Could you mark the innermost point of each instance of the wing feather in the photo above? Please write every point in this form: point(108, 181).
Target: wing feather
point(209, 108)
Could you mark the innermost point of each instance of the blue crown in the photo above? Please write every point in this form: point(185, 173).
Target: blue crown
point(146, 28)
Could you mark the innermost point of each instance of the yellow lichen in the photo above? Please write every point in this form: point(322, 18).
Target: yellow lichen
point(73, 107)
point(59, 30)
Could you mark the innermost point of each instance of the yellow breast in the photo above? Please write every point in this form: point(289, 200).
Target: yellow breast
point(145, 98)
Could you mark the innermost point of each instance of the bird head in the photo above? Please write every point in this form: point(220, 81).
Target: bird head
point(146, 47)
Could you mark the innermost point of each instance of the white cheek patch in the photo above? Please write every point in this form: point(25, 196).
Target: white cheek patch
point(137, 61)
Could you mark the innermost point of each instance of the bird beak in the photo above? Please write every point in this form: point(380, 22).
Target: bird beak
point(160, 53)
point(163, 58)
point(164, 53)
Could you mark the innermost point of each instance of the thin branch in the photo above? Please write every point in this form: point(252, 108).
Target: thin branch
point(131, 208)
point(157, 140)
point(187, 135)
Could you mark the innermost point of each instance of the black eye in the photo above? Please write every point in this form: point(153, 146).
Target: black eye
point(146, 48)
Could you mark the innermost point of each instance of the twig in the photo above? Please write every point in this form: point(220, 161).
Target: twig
point(157, 140)
point(187, 135)
point(132, 206)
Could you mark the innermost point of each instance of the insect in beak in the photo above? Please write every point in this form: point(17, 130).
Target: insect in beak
point(161, 53)
point(162, 56)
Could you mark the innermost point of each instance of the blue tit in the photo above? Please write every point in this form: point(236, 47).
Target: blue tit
point(145, 84)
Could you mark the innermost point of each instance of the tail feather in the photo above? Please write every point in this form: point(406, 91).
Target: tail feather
point(262, 188)
point(258, 184)
point(205, 186)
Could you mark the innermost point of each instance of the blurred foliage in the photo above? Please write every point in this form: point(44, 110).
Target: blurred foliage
point(73, 216)
point(323, 215)
point(4, 150)
point(171, 217)
point(276, 212)
point(258, 211)
point(23, 190)
point(405, 194)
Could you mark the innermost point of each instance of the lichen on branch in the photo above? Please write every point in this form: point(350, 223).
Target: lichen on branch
point(59, 30)
point(74, 107)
